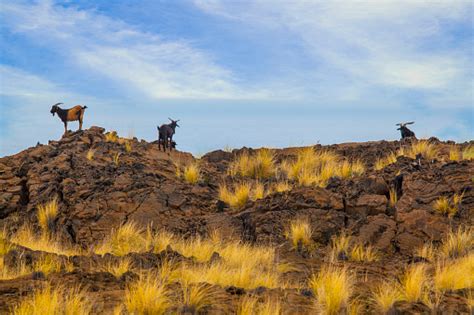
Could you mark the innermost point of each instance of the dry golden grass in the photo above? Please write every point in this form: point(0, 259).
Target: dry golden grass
point(55, 301)
point(90, 154)
point(48, 264)
point(191, 173)
point(7, 273)
point(258, 191)
point(385, 295)
point(5, 244)
point(47, 214)
point(340, 245)
point(427, 252)
point(43, 242)
point(363, 253)
point(454, 275)
point(300, 233)
point(158, 242)
point(428, 150)
point(197, 296)
point(245, 276)
point(448, 206)
point(333, 288)
point(116, 158)
point(393, 197)
point(385, 161)
point(125, 239)
point(457, 243)
point(468, 153)
point(148, 295)
point(128, 145)
point(118, 268)
point(250, 306)
point(455, 153)
point(259, 165)
point(414, 284)
point(236, 197)
point(282, 186)
point(111, 136)
point(347, 169)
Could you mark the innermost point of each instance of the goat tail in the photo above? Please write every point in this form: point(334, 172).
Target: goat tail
point(84, 107)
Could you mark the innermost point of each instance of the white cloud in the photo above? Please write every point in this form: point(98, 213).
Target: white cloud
point(155, 67)
point(377, 44)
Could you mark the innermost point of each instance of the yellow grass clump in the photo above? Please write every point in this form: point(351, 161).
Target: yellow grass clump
point(454, 275)
point(90, 154)
point(5, 244)
point(125, 239)
point(363, 253)
point(448, 206)
point(333, 288)
point(116, 158)
point(414, 284)
point(197, 296)
point(47, 215)
point(245, 276)
point(251, 306)
point(158, 241)
point(236, 197)
point(385, 295)
point(457, 243)
point(48, 264)
point(148, 295)
point(428, 150)
point(118, 268)
point(55, 301)
point(43, 242)
point(340, 245)
point(454, 153)
point(282, 186)
point(7, 273)
point(427, 252)
point(383, 162)
point(259, 165)
point(393, 197)
point(128, 145)
point(468, 153)
point(191, 173)
point(300, 233)
point(111, 136)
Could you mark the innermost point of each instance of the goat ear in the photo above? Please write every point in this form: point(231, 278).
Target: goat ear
point(170, 119)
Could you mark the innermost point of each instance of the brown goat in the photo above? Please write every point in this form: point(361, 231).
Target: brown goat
point(71, 114)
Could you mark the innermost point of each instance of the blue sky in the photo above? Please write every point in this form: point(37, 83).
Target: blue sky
point(238, 73)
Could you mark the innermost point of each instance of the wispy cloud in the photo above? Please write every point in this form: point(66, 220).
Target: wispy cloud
point(372, 45)
point(153, 66)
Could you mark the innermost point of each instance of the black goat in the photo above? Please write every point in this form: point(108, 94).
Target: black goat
point(165, 134)
point(71, 114)
point(406, 133)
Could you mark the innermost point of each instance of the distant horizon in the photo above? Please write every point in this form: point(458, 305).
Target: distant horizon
point(250, 73)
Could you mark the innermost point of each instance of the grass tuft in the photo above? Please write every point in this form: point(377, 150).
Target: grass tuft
point(90, 154)
point(333, 288)
point(148, 295)
point(237, 197)
point(123, 240)
point(118, 268)
point(454, 275)
point(47, 214)
point(428, 150)
point(260, 165)
point(457, 243)
point(196, 297)
point(300, 233)
point(111, 136)
point(363, 253)
point(191, 173)
point(116, 158)
point(468, 153)
point(415, 283)
point(448, 207)
point(55, 301)
point(385, 295)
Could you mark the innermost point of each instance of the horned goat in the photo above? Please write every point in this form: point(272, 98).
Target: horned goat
point(165, 134)
point(71, 114)
point(406, 133)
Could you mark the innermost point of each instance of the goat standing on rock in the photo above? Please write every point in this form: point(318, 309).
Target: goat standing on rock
point(71, 114)
point(406, 133)
point(165, 134)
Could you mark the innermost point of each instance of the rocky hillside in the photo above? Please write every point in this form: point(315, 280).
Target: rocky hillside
point(101, 183)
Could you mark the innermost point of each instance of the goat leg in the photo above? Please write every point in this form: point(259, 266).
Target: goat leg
point(65, 127)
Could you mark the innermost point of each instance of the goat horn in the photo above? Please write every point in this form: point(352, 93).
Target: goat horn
point(57, 104)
